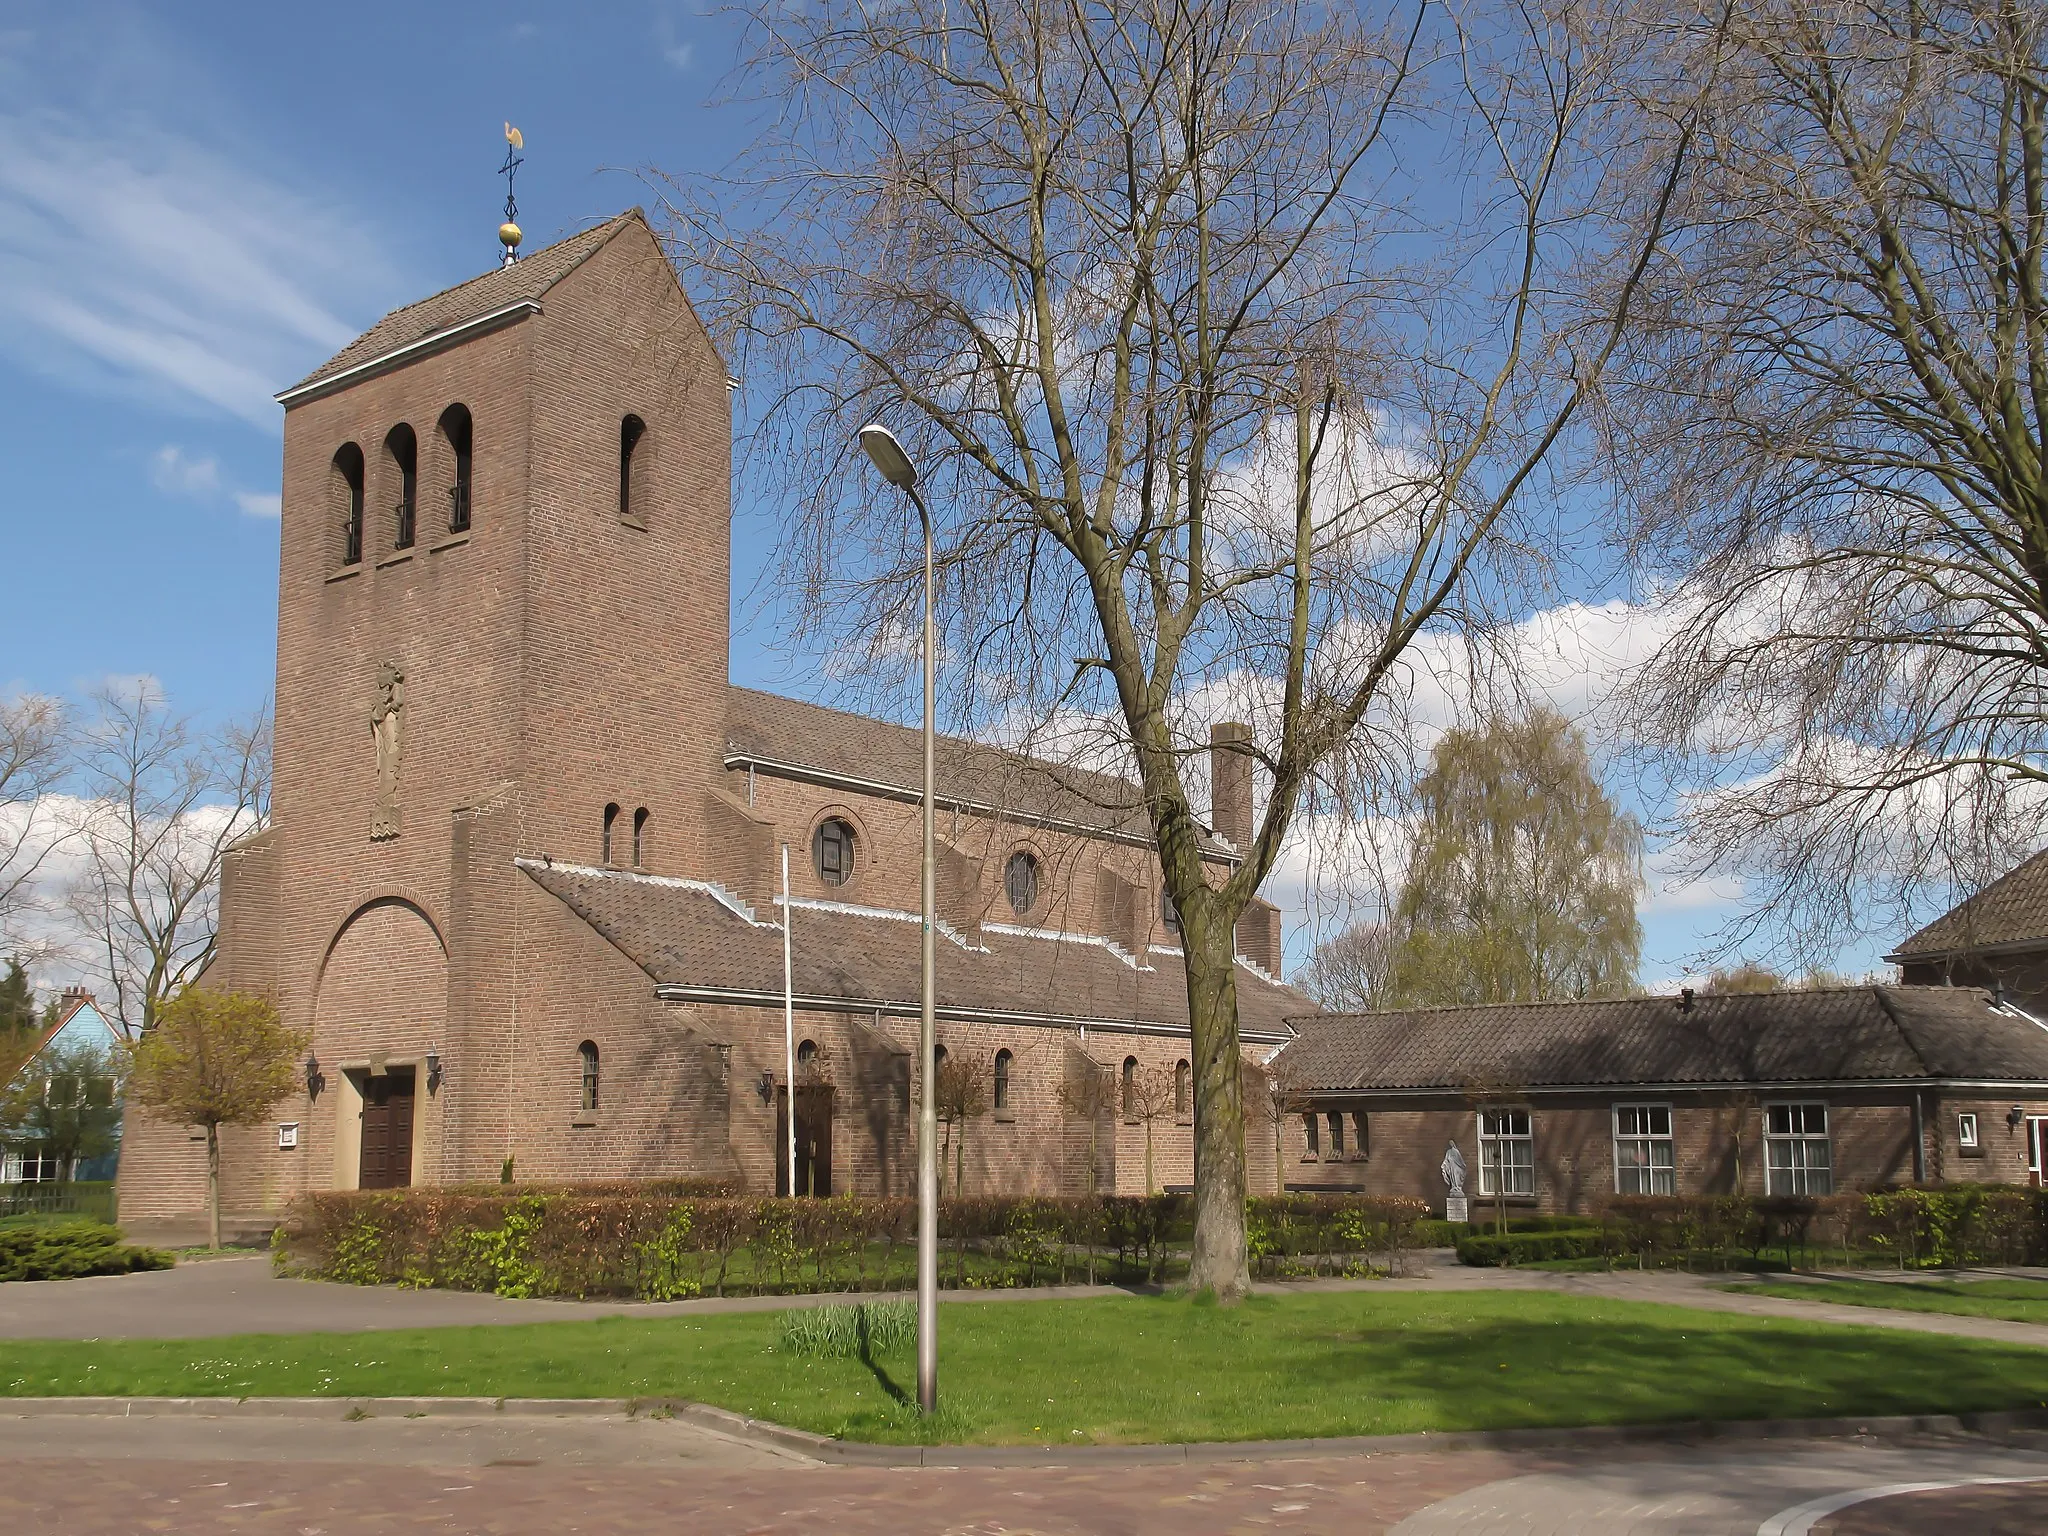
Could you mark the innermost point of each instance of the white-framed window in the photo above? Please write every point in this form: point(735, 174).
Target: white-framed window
point(1966, 1131)
point(1798, 1159)
point(1507, 1153)
point(1645, 1162)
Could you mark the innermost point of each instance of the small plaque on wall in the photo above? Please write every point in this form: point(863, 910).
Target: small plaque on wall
point(1454, 1208)
point(287, 1135)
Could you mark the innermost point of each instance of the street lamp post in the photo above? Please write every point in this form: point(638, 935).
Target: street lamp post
point(888, 456)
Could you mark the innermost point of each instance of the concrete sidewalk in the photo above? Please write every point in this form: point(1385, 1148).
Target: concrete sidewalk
point(241, 1295)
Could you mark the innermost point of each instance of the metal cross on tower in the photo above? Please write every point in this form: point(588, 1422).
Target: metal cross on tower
point(508, 232)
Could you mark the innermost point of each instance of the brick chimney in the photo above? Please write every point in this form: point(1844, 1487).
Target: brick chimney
point(1230, 781)
point(72, 994)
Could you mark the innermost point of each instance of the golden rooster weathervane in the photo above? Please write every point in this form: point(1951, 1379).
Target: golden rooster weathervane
point(509, 235)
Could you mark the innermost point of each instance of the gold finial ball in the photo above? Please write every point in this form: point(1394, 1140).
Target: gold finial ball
point(509, 236)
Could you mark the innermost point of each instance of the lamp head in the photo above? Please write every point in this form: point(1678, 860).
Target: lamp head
point(888, 455)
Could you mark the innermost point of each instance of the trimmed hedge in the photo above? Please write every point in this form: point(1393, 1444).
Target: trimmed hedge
point(1492, 1249)
point(66, 1250)
point(1914, 1226)
point(657, 1246)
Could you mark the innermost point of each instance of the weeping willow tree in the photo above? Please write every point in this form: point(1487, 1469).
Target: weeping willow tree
point(1521, 888)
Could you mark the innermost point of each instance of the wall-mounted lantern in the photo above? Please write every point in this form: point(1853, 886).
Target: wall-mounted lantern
point(433, 1070)
point(314, 1081)
point(766, 1088)
point(2016, 1117)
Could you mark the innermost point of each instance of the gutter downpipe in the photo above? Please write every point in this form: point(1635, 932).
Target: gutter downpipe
point(1919, 1138)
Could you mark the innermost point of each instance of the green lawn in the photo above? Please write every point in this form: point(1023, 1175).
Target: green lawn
point(2019, 1301)
point(1129, 1369)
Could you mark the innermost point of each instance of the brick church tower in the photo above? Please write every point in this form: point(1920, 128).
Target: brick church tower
point(502, 630)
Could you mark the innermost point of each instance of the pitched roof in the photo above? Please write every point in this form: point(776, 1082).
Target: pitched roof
point(840, 745)
point(1840, 1034)
point(686, 934)
point(77, 1003)
point(528, 278)
point(2011, 910)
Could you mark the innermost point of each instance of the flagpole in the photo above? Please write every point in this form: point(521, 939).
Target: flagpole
point(788, 1024)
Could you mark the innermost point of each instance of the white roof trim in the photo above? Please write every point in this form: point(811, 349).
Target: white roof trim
point(717, 893)
point(426, 346)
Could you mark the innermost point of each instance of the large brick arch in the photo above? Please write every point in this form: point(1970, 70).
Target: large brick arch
point(384, 984)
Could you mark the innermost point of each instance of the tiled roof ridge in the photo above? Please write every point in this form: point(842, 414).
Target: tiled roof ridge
point(1676, 999)
point(1960, 916)
point(597, 237)
point(1049, 765)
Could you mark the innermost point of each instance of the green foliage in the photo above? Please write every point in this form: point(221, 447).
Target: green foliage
point(1490, 1249)
point(1521, 887)
point(504, 1251)
point(19, 1026)
point(858, 1332)
point(216, 1058)
point(664, 1257)
point(69, 1249)
point(212, 1059)
point(65, 1104)
point(662, 1242)
point(1946, 1226)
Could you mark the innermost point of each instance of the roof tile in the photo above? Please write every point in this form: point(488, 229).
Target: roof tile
point(682, 934)
point(1844, 1034)
point(528, 278)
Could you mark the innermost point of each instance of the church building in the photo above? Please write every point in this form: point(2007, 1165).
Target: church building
point(521, 881)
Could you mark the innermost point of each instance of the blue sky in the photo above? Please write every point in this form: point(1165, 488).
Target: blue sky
point(200, 203)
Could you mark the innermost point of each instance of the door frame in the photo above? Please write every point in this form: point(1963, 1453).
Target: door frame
point(816, 1092)
point(2037, 1144)
point(348, 1117)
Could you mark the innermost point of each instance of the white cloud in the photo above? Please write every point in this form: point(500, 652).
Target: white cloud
point(176, 473)
point(137, 260)
point(261, 503)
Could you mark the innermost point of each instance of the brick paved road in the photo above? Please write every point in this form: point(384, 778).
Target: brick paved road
point(285, 1477)
point(2009, 1511)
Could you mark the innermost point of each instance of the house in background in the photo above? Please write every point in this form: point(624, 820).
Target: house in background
point(1557, 1106)
point(1996, 939)
point(79, 1025)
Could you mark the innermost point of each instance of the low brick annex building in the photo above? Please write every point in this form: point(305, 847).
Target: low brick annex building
point(521, 877)
point(1556, 1106)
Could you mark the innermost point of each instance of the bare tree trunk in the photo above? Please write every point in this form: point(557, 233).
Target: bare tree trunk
point(213, 1186)
point(1218, 1263)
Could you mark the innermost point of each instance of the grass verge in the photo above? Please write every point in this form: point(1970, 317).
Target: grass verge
point(2018, 1301)
point(1121, 1370)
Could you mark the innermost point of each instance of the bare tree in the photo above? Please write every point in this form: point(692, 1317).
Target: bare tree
point(1833, 426)
point(1224, 402)
point(1149, 1096)
point(960, 1092)
point(1087, 1091)
point(1347, 972)
point(164, 803)
point(34, 753)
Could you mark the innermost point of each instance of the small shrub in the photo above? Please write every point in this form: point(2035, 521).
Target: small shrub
point(67, 1250)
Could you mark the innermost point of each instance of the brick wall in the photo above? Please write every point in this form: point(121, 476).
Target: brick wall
point(1717, 1143)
